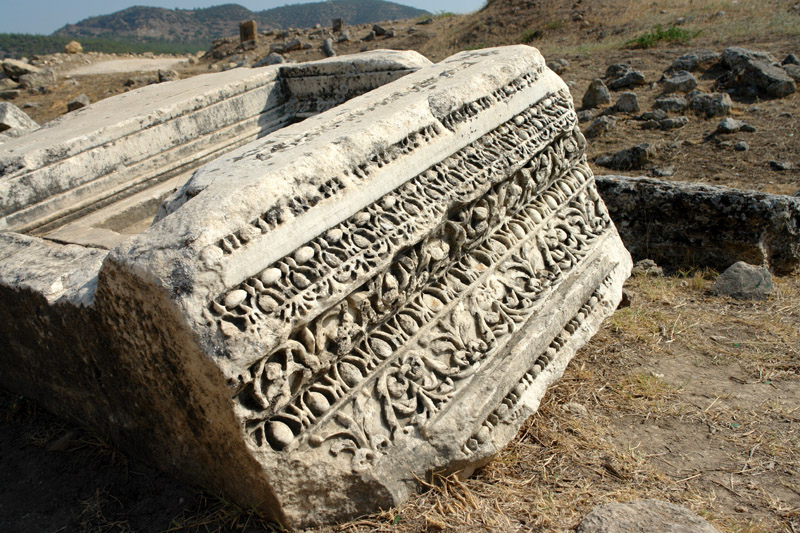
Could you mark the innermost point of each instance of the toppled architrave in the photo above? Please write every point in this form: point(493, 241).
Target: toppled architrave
point(383, 291)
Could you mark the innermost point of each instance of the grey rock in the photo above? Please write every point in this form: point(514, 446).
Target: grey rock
point(14, 122)
point(165, 75)
point(15, 68)
point(627, 102)
point(673, 123)
point(643, 516)
point(428, 20)
point(741, 146)
point(596, 95)
point(671, 104)
point(617, 70)
point(757, 71)
point(585, 115)
point(379, 30)
point(744, 282)
point(369, 37)
point(336, 25)
point(686, 225)
point(679, 81)
point(693, 61)
point(790, 59)
point(559, 65)
point(343, 37)
point(655, 114)
point(10, 94)
point(792, 70)
point(646, 267)
point(729, 125)
point(710, 105)
point(664, 172)
point(291, 46)
point(735, 57)
point(78, 102)
point(38, 81)
point(631, 79)
point(269, 59)
point(327, 48)
point(781, 165)
point(600, 126)
point(634, 158)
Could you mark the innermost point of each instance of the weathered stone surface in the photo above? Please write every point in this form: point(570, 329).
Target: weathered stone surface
point(14, 121)
point(671, 104)
point(325, 315)
point(683, 225)
point(600, 126)
point(744, 282)
point(73, 47)
point(679, 81)
point(627, 102)
point(269, 59)
point(559, 65)
point(633, 158)
point(643, 516)
point(327, 48)
point(710, 105)
point(337, 25)
point(596, 95)
point(631, 79)
point(15, 68)
point(758, 70)
point(729, 125)
point(78, 102)
point(673, 123)
point(40, 80)
point(792, 70)
point(695, 61)
point(248, 31)
point(159, 133)
point(167, 75)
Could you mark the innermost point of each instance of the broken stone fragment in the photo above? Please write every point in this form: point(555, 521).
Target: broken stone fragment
point(596, 95)
point(627, 102)
point(633, 158)
point(710, 105)
point(78, 102)
point(327, 48)
point(643, 515)
point(671, 104)
point(631, 79)
point(14, 122)
point(679, 81)
point(165, 75)
point(744, 282)
point(600, 126)
point(757, 71)
point(694, 61)
point(16, 68)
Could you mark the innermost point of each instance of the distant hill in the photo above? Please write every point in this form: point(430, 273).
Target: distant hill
point(144, 23)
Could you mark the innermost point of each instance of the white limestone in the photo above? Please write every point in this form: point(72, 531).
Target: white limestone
point(321, 317)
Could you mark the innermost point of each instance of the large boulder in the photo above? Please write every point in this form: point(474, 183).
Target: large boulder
point(16, 68)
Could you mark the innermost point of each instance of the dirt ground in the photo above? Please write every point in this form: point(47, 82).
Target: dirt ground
point(683, 396)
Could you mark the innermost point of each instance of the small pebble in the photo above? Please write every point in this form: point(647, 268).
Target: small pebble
point(741, 146)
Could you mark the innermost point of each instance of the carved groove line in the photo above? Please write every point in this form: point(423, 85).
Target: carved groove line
point(509, 410)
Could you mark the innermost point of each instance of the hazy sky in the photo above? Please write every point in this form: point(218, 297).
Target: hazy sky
point(46, 16)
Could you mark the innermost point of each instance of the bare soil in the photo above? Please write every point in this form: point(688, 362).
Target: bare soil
point(683, 396)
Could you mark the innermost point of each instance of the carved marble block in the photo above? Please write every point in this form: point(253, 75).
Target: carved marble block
point(323, 316)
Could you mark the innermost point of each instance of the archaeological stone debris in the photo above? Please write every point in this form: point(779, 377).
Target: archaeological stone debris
point(324, 312)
